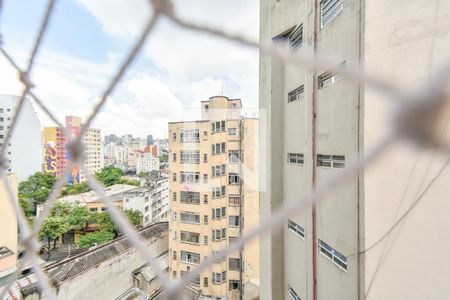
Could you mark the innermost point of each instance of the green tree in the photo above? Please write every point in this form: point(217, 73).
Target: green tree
point(79, 217)
point(37, 187)
point(131, 182)
point(76, 189)
point(143, 174)
point(96, 237)
point(52, 229)
point(110, 175)
point(135, 217)
point(163, 158)
point(25, 205)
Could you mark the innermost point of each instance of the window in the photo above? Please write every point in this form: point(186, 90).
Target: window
point(293, 294)
point(174, 215)
point(93, 209)
point(330, 77)
point(219, 278)
point(218, 148)
point(189, 136)
point(174, 235)
point(190, 237)
point(205, 219)
point(190, 217)
point(218, 126)
point(205, 158)
point(232, 131)
point(218, 192)
point(190, 197)
point(233, 221)
point(206, 107)
point(296, 39)
point(234, 200)
point(297, 229)
point(295, 158)
point(234, 156)
point(329, 9)
point(205, 199)
point(174, 196)
point(190, 257)
point(296, 94)
point(218, 170)
point(234, 285)
point(205, 178)
point(174, 176)
point(174, 136)
point(189, 157)
point(205, 240)
point(234, 264)
point(174, 256)
point(190, 177)
point(218, 234)
point(205, 281)
point(331, 161)
point(174, 157)
point(218, 213)
point(234, 178)
point(332, 254)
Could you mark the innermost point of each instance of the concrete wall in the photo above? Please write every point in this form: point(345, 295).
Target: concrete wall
point(8, 222)
point(112, 277)
point(404, 42)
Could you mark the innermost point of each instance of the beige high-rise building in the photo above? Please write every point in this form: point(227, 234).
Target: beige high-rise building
point(318, 122)
point(8, 236)
point(213, 198)
point(93, 147)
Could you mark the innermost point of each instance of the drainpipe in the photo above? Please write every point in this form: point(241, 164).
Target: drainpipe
point(241, 219)
point(313, 154)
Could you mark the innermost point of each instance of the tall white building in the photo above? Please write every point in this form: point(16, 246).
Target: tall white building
point(24, 151)
point(318, 122)
point(145, 162)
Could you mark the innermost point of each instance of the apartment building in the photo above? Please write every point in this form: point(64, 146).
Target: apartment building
point(146, 162)
point(24, 150)
point(54, 151)
point(56, 154)
point(93, 147)
point(152, 200)
point(319, 121)
point(213, 198)
point(8, 238)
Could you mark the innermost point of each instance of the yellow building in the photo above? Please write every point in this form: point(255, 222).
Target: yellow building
point(8, 225)
point(212, 190)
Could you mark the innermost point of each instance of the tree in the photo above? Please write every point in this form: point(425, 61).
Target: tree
point(134, 216)
point(37, 187)
point(79, 217)
point(53, 228)
point(143, 174)
point(110, 175)
point(76, 189)
point(96, 237)
point(163, 158)
point(25, 205)
point(131, 182)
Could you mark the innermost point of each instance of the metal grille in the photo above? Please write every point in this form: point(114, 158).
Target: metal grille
point(429, 101)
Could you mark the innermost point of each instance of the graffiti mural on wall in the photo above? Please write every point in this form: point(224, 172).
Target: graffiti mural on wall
point(50, 158)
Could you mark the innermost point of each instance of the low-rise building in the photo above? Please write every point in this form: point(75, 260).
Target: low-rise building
point(152, 200)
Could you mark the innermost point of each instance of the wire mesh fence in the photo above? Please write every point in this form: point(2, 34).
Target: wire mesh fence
point(419, 118)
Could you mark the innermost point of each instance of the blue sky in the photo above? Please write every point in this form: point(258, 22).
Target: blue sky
point(87, 40)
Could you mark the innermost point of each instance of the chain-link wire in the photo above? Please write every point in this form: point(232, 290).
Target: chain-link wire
point(430, 102)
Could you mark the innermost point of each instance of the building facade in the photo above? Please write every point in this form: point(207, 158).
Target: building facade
point(318, 121)
point(152, 200)
point(146, 162)
point(8, 238)
point(209, 200)
point(54, 151)
point(24, 150)
point(92, 146)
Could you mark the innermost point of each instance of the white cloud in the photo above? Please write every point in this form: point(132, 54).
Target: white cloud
point(118, 17)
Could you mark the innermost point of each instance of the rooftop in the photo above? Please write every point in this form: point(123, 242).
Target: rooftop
point(114, 191)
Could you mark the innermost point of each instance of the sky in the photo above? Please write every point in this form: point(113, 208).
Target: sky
point(176, 69)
